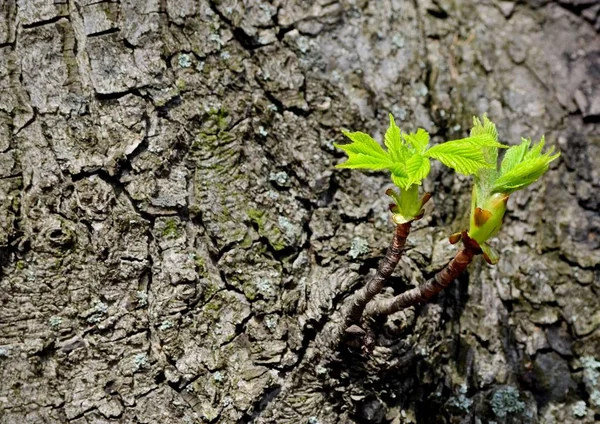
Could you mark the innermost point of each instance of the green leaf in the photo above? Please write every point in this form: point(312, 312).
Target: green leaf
point(465, 158)
point(393, 141)
point(514, 156)
point(361, 161)
point(401, 181)
point(417, 169)
point(398, 169)
point(362, 143)
point(472, 154)
point(364, 153)
point(486, 127)
point(536, 150)
point(482, 140)
point(418, 140)
point(523, 174)
point(522, 167)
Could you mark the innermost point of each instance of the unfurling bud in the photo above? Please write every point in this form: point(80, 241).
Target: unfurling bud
point(486, 219)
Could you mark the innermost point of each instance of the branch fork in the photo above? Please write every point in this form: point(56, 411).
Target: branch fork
point(431, 287)
point(364, 304)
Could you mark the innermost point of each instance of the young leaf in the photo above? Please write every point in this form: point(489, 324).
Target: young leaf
point(417, 169)
point(486, 127)
point(490, 153)
point(514, 155)
point(522, 167)
point(364, 153)
point(418, 140)
point(398, 169)
point(482, 140)
point(363, 144)
point(523, 174)
point(465, 158)
point(393, 141)
point(362, 161)
point(401, 181)
point(536, 150)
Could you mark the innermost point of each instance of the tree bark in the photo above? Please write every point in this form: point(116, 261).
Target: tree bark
point(176, 245)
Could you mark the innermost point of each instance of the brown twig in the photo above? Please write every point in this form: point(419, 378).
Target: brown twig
point(387, 265)
point(432, 286)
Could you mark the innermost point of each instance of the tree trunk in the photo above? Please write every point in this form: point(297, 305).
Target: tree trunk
point(176, 246)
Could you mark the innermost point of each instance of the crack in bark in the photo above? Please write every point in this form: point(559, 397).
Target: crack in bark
point(105, 32)
point(45, 22)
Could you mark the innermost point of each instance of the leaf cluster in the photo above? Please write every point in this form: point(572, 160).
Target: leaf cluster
point(522, 165)
point(408, 156)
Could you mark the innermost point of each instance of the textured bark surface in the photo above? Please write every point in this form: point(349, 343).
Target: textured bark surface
point(175, 243)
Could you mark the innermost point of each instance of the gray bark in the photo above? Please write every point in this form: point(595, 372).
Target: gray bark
point(175, 243)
